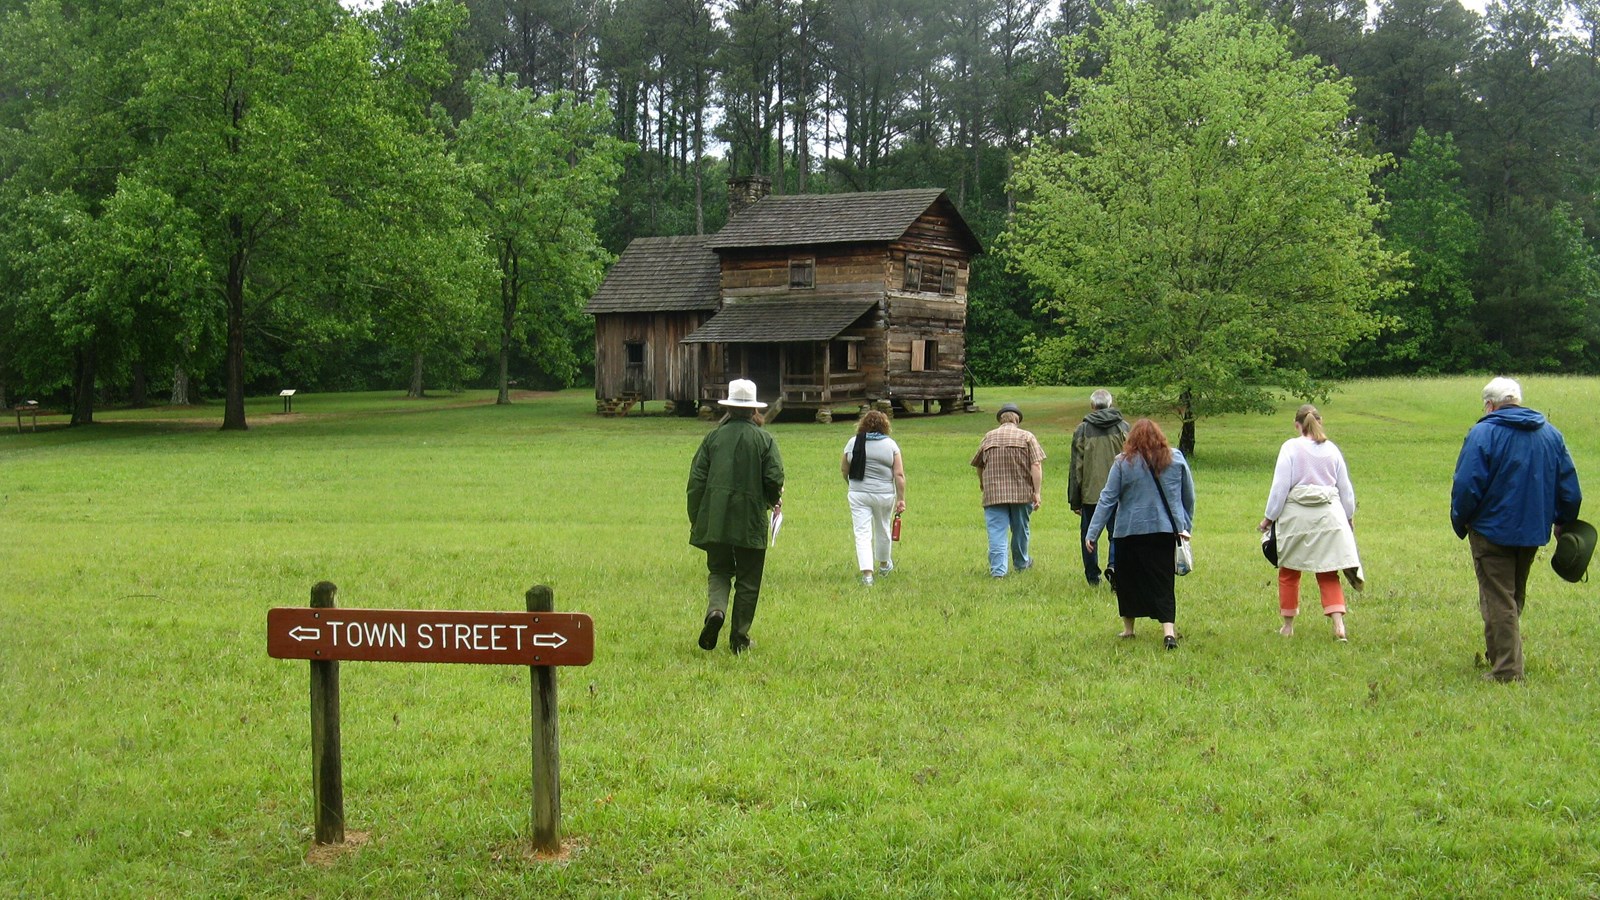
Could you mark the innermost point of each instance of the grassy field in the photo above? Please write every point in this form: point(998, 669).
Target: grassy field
point(942, 734)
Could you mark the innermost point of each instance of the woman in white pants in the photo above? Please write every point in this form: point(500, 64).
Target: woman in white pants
point(871, 465)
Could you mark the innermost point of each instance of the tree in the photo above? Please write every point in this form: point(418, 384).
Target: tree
point(1203, 221)
point(1540, 282)
point(1409, 66)
point(540, 168)
point(292, 161)
point(1430, 327)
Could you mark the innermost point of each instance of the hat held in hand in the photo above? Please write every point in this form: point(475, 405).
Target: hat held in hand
point(1573, 550)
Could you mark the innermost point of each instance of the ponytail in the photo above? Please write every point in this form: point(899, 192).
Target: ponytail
point(1310, 422)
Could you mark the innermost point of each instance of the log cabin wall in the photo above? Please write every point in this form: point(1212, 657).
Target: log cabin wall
point(927, 275)
point(668, 369)
point(925, 346)
point(838, 271)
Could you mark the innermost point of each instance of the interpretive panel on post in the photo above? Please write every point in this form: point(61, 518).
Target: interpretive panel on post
point(442, 636)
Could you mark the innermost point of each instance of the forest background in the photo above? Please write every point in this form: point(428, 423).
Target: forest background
point(425, 193)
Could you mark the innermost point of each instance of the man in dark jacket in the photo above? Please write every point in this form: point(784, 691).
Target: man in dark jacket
point(1514, 480)
point(1095, 445)
point(736, 476)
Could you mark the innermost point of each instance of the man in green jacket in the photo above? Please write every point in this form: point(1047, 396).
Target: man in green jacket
point(737, 475)
point(1095, 446)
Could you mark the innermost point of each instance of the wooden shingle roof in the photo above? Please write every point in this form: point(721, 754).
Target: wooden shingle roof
point(800, 219)
point(770, 320)
point(660, 274)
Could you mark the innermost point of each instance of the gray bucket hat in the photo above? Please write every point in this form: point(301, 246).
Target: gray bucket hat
point(1573, 550)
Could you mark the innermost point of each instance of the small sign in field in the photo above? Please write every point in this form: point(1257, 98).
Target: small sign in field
point(442, 636)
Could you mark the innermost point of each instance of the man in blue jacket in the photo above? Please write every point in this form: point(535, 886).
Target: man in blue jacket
point(1514, 480)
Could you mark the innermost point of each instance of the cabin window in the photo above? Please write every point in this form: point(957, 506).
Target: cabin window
point(802, 273)
point(634, 354)
point(913, 279)
point(947, 280)
point(924, 356)
point(846, 356)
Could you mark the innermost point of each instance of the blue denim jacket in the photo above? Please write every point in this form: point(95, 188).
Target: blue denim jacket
point(1130, 492)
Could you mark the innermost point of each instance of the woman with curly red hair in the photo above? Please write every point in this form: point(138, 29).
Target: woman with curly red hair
point(1151, 494)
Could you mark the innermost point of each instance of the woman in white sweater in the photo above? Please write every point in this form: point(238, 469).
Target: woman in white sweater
point(1312, 505)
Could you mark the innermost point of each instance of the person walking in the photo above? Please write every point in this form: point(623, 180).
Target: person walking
point(876, 477)
point(1150, 492)
point(1312, 508)
point(1010, 466)
point(736, 476)
point(1514, 481)
point(1095, 445)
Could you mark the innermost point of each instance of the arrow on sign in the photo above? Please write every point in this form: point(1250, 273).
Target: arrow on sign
point(549, 640)
point(302, 633)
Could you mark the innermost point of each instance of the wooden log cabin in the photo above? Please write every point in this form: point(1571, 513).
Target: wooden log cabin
point(825, 301)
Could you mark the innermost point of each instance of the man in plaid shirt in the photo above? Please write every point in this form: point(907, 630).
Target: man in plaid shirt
point(1010, 466)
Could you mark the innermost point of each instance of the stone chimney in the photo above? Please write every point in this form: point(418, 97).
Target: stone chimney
point(745, 190)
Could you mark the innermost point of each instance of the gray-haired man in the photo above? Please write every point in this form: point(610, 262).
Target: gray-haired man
point(1514, 481)
point(1095, 445)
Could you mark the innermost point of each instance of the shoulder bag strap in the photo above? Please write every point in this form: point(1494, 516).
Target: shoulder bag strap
point(1163, 495)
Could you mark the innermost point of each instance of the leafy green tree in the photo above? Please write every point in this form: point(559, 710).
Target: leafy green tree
point(1207, 213)
point(1430, 328)
point(290, 156)
point(1409, 69)
point(540, 168)
point(1540, 280)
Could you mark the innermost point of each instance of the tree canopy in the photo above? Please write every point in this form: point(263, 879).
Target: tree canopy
point(243, 196)
point(1205, 222)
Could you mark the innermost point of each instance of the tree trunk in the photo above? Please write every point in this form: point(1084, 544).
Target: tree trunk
point(699, 153)
point(1186, 411)
point(3, 403)
point(416, 377)
point(139, 393)
point(233, 410)
point(83, 387)
point(180, 386)
point(508, 319)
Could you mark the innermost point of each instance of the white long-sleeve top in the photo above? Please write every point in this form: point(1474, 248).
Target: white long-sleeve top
point(1304, 461)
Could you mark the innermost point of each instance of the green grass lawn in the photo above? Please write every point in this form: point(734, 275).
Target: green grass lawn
point(942, 734)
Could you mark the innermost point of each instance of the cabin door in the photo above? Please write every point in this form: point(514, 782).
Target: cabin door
point(761, 366)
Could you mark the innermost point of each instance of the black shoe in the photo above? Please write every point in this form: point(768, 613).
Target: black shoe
point(1171, 642)
point(708, 634)
point(1111, 578)
point(739, 646)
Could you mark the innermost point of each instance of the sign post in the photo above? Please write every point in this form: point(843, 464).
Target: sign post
point(327, 762)
point(546, 741)
point(539, 638)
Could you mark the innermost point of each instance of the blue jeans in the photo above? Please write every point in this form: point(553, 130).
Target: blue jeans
point(1091, 561)
point(999, 518)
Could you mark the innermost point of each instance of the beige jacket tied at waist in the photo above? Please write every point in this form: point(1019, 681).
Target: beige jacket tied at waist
point(1314, 536)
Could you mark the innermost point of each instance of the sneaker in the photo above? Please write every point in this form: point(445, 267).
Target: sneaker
point(708, 632)
point(866, 581)
point(885, 570)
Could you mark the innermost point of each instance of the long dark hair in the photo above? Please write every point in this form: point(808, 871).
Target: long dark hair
point(1146, 441)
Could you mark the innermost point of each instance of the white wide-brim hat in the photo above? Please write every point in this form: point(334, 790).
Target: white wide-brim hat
point(742, 392)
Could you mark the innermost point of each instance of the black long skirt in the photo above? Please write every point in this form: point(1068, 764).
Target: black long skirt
point(1145, 577)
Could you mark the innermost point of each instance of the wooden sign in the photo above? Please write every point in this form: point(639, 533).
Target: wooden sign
point(440, 636)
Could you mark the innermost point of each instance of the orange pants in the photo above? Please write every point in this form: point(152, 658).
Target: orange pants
point(1289, 592)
